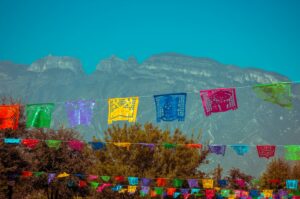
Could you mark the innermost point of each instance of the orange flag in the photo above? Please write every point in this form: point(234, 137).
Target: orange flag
point(9, 116)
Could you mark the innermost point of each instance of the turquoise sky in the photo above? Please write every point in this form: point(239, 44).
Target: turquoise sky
point(248, 33)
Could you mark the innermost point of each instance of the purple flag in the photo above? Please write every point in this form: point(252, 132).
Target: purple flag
point(184, 191)
point(145, 190)
point(51, 176)
point(217, 149)
point(150, 145)
point(193, 183)
point(146, 181)
point(80, 112)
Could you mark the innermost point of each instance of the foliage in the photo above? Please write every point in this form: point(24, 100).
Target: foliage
point(236, 174)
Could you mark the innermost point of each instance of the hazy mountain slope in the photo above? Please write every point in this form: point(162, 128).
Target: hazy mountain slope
point(58, 79)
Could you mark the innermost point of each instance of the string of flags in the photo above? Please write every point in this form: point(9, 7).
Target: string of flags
point(169, 107)
point(174, 187)
point(292, 152)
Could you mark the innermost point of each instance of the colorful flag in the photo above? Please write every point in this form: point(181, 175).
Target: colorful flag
point(63, 175)
point(177, 182)
point(144, 190)
point(146, 182)
point(266, 151)
point(208, 183)
point(105, 178)
point(26, 173)
point(120, 178)
point(195, 190)
point(133, 180)
point(120, 109)
point(117, 188)
point(222, 183)
point(240, 149)
point(97, 145)
point(9, 116)
point(53, 143)
point(80, 112)
point(240, 182)
point(94, 185)
point(169, 145)
point(268, 193)
point(76, 145)
point(170, 107)
point(51, 177)
point(122, 144)
point(217, 149)
point(132, 189)
point(39, 115)
point(30, 143)
point(225, 193)
point(92, 177)
point(292, 184)
point(194, 146)
point(161, 182)
point(150, 145)
point(171, 191)
point(218, 100)
point(210, 193)
point(176, 194)
point(12, 141)
point(292, 152)
point(159, 190)
point(277, 93)
point(193, 183)
point(103, 186)
point(38, 173)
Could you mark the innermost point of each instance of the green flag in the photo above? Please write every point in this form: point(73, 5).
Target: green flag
point(292, 152)
point(105, 178)
point(169, 145)
point(277, 93)
point(159, 190)
point(53, 143)
point(94, 185)
point(39, 115)
point(38, 173)
point(177, 182)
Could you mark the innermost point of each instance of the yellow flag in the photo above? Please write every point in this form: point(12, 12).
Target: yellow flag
point(231, 196)
point(63, 175)
point(132, 189)
point(120, 109)
point(123, 190)
point(268, 193)
point(208, 183)
point(123, 144)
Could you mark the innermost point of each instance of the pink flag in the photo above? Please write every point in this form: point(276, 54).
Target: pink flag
point(218, 100)
point(266, 151)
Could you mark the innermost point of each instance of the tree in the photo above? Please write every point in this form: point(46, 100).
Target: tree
point(278, 170)
point(140, 161)
point(234, 175)
point(296, 171)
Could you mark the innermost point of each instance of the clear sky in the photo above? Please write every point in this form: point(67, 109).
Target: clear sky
point(248, 33)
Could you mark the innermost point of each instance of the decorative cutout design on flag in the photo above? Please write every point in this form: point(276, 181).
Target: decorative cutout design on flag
point(9, 116)
point(217, 149)
point(80, 112)
point(193, 183)
point(53, 143)
point(292, 184)
point(240, 149)
point(218, 100)
point(39, 115)
point(120, 109)
point(146, 182)
point(292, 152)
point(97, 145)
point(12, 140)
point(208, 183)
point(278, 93)
point(76, 145)
point(170, 107)
point(30, 143)
point(266, 151)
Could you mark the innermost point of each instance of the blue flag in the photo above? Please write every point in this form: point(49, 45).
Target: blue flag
point(240, 149)
point(170, 107)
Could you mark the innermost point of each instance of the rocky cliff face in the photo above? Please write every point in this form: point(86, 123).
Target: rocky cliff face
point(59, 79)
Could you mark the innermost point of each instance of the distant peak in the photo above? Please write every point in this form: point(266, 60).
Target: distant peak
point(59, 62)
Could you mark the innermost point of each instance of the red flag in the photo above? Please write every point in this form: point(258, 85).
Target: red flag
point(194, 146)
point(82, 183)
point(9, 116)
point(26, 173)
point(119, 178)
point(161, 182)
point(266, 151)
point(30, 143)
point(171, 191)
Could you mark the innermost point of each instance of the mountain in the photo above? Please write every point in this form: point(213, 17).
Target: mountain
point(61, 79)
